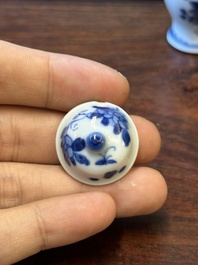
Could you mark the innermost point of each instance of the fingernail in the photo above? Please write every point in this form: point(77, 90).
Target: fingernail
point(120, 73)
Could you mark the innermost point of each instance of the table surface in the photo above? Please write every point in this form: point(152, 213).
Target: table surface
point(128, 36)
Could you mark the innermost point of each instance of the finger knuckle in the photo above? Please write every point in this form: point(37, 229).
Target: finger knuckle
point(9, 136)
point(41, 227)
point(10, 187)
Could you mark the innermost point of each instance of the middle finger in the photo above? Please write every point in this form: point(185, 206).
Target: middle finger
point(28, 135)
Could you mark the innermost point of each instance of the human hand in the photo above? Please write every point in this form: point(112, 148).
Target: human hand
point(41, 206)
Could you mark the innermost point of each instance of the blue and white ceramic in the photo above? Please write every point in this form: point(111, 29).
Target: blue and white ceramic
point(97, 143)
point(183, 33)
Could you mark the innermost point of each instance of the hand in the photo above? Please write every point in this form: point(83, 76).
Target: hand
point(41, 206)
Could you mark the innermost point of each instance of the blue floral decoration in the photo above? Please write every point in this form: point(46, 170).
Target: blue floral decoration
point(106, 159)
point(108, 117)
point(112, 117)
point(71, 150)
point(110, 174)
point(190, 15)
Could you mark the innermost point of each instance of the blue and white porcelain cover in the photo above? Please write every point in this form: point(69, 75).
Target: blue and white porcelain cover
point(97, 143)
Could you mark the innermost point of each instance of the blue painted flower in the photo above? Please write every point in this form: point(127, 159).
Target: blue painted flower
point(114, 118)
point(71, 150)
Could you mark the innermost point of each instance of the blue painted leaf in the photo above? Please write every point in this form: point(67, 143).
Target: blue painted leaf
point(101, 162)
point(78, 144)
point(111, 161)
point(109, 175)
point(117, 129)
point(69, 152)
point(108, 115)
point(94, 179)
point(81, 159)
point(115, 118)
point(68, 140)
point(122, 169)
point(123, 124)
point(105, 121)
point(73, 161)
point(67, 160)
point(63, 146)
point(126, 137)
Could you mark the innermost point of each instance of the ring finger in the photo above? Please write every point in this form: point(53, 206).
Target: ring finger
point(28, 135)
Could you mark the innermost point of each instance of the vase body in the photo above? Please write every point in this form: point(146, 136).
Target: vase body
point(183, 33)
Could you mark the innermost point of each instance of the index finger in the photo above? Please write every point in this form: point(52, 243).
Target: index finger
point(40, 79)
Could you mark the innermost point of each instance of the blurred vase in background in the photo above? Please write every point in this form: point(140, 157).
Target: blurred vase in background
point(183, 32)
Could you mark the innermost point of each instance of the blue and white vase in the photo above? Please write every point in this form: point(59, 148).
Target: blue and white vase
point(183, 33)
point(97, 143)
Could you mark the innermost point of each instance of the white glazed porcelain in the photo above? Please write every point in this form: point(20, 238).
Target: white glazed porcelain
point(97, 143)
point(183, 33)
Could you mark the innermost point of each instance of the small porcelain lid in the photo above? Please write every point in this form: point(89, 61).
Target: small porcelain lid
point(97, 143)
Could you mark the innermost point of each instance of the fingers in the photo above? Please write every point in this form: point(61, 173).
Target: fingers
point(141, 191)
point(28, 135)
point(41, 79)
point(150, 140)
point(50, 223)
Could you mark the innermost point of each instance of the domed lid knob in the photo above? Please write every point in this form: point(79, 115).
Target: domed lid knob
point(95, 141)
